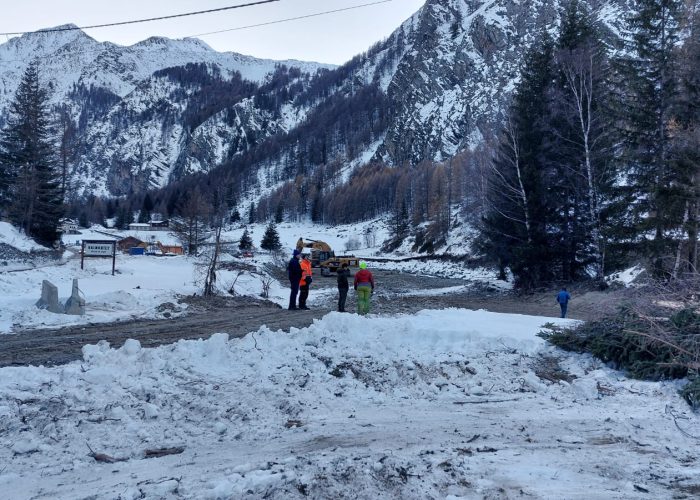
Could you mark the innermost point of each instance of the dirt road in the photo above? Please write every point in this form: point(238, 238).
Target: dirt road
point(237, 316)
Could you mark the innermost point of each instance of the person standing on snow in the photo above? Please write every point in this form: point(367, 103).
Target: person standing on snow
point(563, 299)
point(343, 287)
point(294, 273)
point(304, 281)
point(364, 287)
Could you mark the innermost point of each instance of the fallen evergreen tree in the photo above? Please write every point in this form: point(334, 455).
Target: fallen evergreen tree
point(655, 336)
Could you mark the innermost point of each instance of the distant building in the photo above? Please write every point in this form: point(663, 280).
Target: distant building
point(68, 226)
point(159, 224)
point(171, 249)
point(126, 244)
point(154, 225)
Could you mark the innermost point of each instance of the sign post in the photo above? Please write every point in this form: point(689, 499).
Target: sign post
point(99, 248)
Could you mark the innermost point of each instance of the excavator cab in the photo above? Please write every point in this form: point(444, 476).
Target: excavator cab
point(319, 256)
point(324, 257)
point(320, 250)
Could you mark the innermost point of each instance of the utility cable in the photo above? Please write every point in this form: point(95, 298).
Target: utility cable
point(290, 19)
point(160, 18)
point(101, 50)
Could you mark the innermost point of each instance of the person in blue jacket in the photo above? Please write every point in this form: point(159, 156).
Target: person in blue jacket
point(294, 273)
point(563, 299)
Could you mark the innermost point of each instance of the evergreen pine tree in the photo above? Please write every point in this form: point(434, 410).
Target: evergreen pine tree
point(124, 217)
point(251, 214)
point(647, 77)
point(235, 216)
point(399, 223)
point(271, 239)
point(146, 208)
point(29, 178)
point(230, 197)
point(83, 219)
point(514, 229)
point(246, 242)
point(580, 185)
point(279, 214)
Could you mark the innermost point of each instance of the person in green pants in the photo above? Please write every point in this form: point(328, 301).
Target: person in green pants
point(364, 286)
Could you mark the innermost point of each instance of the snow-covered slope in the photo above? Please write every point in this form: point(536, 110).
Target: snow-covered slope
point(442, 82)
point(108, 89)
point(438, 85)
point(72, 57)
point(460, 64)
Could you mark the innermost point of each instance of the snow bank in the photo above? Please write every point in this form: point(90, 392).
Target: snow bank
point(12, 237)
point(437, 404)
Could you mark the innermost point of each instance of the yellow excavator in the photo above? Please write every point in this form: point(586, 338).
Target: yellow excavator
point(324, 257)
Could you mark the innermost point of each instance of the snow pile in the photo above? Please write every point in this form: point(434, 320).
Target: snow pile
point(627, 276)
point(9, 235)
point(441, 404)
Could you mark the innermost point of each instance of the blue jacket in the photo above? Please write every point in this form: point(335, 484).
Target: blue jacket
point(294, 270)
point(563, 297)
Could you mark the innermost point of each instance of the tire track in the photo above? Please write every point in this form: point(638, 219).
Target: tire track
point(59, 346)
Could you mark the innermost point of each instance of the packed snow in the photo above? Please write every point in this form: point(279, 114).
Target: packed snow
point(437, 404)
point(9, 235)
point(440, 404)
point(627, 276)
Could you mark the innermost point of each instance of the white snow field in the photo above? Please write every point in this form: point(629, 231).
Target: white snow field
point(142, 283)
point(440, 404)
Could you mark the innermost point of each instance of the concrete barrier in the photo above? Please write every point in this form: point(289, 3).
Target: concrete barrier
point(75, 304)
point(49, 298)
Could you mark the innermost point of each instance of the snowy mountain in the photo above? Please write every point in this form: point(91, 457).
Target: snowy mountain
point(456, 64)
point(108, 89)
point(438, 85)
point(151, 113)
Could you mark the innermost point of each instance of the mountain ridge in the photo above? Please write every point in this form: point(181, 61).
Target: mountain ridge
point(439, 84)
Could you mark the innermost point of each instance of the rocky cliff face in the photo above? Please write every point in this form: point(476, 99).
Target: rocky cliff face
point(133, 120)
point(162, 109)
point(453, 84)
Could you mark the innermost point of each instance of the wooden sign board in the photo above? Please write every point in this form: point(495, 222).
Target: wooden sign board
point(99, 248)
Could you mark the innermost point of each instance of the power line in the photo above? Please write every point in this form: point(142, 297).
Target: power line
point(290, 19)
point(101, 50)
point(160, 18)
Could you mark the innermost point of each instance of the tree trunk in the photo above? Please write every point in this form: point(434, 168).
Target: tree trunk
point(679, 248)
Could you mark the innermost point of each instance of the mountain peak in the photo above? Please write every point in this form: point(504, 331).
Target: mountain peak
point(52, 38)
point(60, 28)
point(190, 43)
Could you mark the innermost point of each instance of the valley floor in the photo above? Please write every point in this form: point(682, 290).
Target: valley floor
point(194, 317)
point(156, 393)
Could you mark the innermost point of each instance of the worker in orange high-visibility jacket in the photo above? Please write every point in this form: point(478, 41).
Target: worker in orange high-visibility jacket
point(305, 281)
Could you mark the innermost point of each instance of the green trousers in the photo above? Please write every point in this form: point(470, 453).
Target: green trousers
point(363, 294)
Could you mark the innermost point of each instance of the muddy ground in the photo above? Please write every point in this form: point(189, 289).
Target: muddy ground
point(395, 293)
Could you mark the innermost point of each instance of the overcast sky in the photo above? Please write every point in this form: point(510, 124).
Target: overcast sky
point(332, 38)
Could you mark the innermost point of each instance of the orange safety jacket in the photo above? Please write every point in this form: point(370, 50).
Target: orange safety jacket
point(305, 271)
